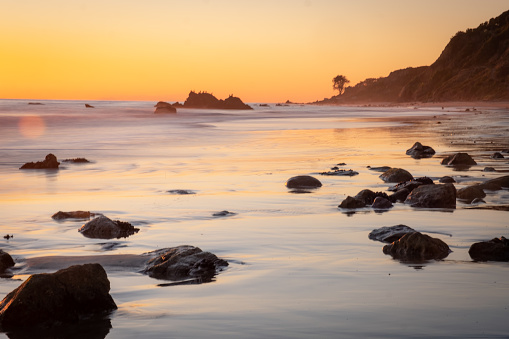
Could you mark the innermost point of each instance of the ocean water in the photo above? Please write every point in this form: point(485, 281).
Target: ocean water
point(299, 267)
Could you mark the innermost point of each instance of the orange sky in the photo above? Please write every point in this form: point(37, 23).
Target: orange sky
point(259, 50)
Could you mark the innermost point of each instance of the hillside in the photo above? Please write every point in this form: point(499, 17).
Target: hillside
point(474, 66)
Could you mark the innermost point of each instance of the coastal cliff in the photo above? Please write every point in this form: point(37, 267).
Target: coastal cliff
point(474, 66)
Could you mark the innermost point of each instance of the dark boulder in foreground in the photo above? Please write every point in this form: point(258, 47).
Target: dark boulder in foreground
point(469, 193)
point(6, 261)
point(433, 196)
point(303, 181)
point(183, 263)
point(390, 233)
point(497, 249)
point(396, 175)
point(66, 296)
point(417, 247)
point(72, 215)
point(418, 151)
point(459, 159)
point(105, 228)
point(50, 162)
point(164, 107)
point(351, 202)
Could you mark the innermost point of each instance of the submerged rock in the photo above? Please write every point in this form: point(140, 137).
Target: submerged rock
point(66, 296)
point(164, 107)
point(72, 215)
point(390, 233)
point(50, 162)
point(184, 262)
point(105, 228)
point(469, 193)
point(417, 247)
point(380, 168)
point(433, 196)
point(459, 159)
point(497, 249)
point(340, 172)
point(396, 175)
point(181, 192)
point(6, 261)
point(223, 214)
point(418, 151)
point(303, 181)
point(76, 160)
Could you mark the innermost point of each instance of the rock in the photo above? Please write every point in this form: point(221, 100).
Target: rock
point(207, 100)
point(303, 181)
point(381, 203)
point(390, 234)
point(489, 169)
point(339, 172)
point(49, 162)
point(184, 262)
point(72, 215)
point(493, 250)
point(446, 180)
point(417, 247)
point(105, 228)
point(223, 214)
point(164, 107)
point(459, 159)
point(380, 169)
point(66, 296)
point(469, 193)
point(400, 195)
point(89, 106)
point(496, 184)
point(181, 192)
point(5, 261)
point(368, 196)
point(351, 202)
point(412, 184)
point(497, 155)
point(396, 175)
point(76, 160)
point(433, 196)
point(418, 151)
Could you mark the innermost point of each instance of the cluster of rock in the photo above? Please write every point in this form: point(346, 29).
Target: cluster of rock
point(202, 100)
point(164, 107)
point(49, 162)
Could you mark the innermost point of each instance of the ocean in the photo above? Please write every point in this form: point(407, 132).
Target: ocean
point(299, 266)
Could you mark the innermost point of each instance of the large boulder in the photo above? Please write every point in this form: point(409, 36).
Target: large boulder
point(303, 181)
point(104, 228)
point(164, 107)
point(390, 234)
point(66, 296)
point(418, 151)
point(396, 175)
point(183, 263)
point(6, 261)
point(433, 196)
point(469, 193)
point(459, 159)
point(497, 249)
point(49, 162)
point(417, 247)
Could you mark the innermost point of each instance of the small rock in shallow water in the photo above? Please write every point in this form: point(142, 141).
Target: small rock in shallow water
point(417, 247)
point(6, 261)
point(381, 203)
point(489, 169)
point(223, 214)
point(72, 215)
point(418, 151)
point(351, 202)
point(469, 193)
point(379, 169)
point(105, 228)
point(446, 180)
point(493, 250)
point(181, 192)
point(497, 155)
point(459, 159)
point(396, 175)
point(390, 233)
point(303, 181)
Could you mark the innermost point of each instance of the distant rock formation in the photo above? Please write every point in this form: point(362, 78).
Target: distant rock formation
point(207, 100)
point(164, 107)
point(474, 66)
point(50, 162)
point(89, 106)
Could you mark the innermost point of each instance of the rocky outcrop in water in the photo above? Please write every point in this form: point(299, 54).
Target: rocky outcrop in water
point(469, 193)
point(76, 160)
point(497, 249)
point(164, 107)
point(66, 296)
point(459, 159)
point(390, 234)
point(207, 100)
point(351, 202)
point(183, 263)
point(418, 151)
point(433, 196)
point(496, 184)
point(6, 261)
point(105, 228)
point(72, 215)
point(303, 181)
point(381, 203)
point(396, 175)
point(50, 162)
point(417, 247)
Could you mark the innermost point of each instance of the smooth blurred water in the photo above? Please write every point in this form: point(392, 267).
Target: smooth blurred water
point(299, 267)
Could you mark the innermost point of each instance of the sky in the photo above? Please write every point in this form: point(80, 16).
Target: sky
point(258, 50)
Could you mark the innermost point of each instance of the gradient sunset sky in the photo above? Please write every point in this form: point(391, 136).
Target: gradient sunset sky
point(260, 50)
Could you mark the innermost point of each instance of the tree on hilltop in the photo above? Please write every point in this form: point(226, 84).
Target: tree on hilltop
point(339, 82)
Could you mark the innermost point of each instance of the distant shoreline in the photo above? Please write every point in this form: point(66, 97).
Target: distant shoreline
point(448, 104)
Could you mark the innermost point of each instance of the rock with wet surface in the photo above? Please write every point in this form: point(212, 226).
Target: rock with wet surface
point(433, 196)
point(446, 180)
point(496, 184)
point(497, 249)
point(184, 262)
point(303, 181)
point(419, 151)
point(379, 168)
point(396, 175)
point(72, 215)
point(417, 247)
point(49, 162)
point(6, 261)
point(381, 203)
point(66, 296)
point(469, 193)
point(104, 228)
point(368, 196)
point(459, 159)
point(351, 202)
point(390, 234)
